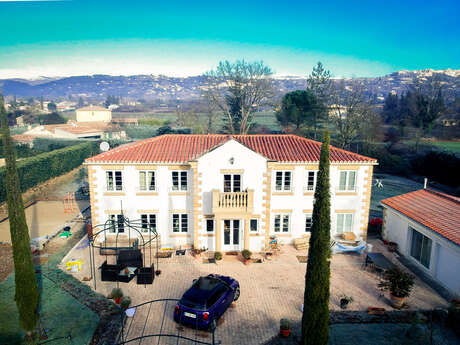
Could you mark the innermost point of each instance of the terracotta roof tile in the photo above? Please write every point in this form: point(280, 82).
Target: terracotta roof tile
point(181, 148)
point(438, 211)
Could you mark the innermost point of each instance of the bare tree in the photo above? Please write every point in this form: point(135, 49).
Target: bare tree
point(238, 89)
point(351, 107)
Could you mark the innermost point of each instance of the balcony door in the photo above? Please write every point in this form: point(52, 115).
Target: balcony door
point(232, 183)
point(232, 234)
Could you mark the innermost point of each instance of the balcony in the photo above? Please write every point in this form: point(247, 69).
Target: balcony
point(232, 202)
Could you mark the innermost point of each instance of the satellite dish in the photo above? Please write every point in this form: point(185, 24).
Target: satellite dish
point(104, 146)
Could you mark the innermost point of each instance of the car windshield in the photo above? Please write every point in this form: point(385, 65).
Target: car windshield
point(193, 303)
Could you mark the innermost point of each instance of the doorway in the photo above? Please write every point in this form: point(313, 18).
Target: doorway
point(232, 234)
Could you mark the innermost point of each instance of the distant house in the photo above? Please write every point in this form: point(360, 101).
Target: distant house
point(93, 113)
point(73, 130)
point(425, 225)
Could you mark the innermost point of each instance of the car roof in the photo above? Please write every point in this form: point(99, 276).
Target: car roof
point(204, 288)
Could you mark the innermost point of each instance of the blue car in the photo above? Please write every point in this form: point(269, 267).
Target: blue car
point(206, 301)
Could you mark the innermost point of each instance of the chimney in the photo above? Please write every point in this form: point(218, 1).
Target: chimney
point(425, 183)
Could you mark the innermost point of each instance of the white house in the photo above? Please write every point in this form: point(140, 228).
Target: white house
point(425, 225)
point(227, 192)
point(93, 113)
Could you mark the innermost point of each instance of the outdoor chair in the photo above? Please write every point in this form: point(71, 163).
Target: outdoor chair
point(145, 275)
point(109, 273)
point(129, 258)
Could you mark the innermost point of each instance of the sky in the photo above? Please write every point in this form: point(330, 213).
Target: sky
point(363, 38)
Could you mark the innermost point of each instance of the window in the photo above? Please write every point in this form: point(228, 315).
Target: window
point(117, 223)
point(149, 221)
point(179, 180)
point(281, 223)
point(311, 180)
point(421, 248)
point(209, 225)
point(347, 180)
point(308, 222)
point(180, 222)
point(147, 180)
point(254, 226)
point(114, 179)
point(283, 180)
point(232, 183)
point(344, 222)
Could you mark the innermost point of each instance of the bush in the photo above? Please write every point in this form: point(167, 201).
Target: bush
point(116, 293)
point(398, 282)
point(48, 144)
point(246, 254)
point(125, 302)
point(218, 256)
point(285, 324)
point(38, 169)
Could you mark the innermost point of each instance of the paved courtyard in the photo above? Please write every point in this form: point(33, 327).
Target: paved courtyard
point(269, 291)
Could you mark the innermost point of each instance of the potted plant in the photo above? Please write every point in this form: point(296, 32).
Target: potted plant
point(285, 328)
point(400, 285)
point(125, 302)
point(217, 256)
point(345, 301)
point(247, 256)
point(116, 295)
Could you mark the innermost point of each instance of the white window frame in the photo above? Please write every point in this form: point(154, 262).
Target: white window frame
point(282, 217)
point(180, 185)
point(180, 224)
point(283, 181)
point(308, 216)
point(346, 187)
point(150, 217)
point(343, 225)
point(232, 183)
point(257, 225)
point(432, 245)
point(147, 187)
point(315, 178)
point(112, 174)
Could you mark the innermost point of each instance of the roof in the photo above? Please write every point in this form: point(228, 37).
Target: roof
point(93, 108)
point(24, 138)
point(182, 148)
point(438, 211)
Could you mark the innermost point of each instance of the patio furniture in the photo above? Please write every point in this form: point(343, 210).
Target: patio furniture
point(341, 248)
point(109, 273)
point(145, 275)
point(126, 274)
point(379, 261)
point(129, 257)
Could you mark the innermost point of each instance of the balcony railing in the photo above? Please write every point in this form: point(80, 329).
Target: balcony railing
point(233, 201)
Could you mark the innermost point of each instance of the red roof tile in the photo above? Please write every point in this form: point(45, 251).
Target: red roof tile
point(438, 211)
point(181, 148)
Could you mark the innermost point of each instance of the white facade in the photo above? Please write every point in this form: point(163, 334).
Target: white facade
point(251, 211)
point(441, 259)
point(93, 114)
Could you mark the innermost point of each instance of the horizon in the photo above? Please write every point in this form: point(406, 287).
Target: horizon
point(58, 39)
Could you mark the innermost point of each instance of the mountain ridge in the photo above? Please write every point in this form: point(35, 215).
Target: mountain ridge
point(98, 86)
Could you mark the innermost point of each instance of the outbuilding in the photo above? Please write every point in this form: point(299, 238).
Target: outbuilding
point(425, 224)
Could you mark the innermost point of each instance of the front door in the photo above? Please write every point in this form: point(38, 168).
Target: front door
point(232, 234)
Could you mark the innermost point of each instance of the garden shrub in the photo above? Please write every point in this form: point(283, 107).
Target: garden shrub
point(38, 169)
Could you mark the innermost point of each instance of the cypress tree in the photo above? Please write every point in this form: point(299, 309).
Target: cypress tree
point(315, 318)
point(26, 294)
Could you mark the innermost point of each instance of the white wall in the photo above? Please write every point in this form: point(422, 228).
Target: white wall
point(94, 116)
point(445, 255)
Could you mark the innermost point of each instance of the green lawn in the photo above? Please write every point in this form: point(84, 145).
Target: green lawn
point(391, 186)
point(61, 315)
point(453, 146)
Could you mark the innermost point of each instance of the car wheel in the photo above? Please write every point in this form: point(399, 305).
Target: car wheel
point(237, 294)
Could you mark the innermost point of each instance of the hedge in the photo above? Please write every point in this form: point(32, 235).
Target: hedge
point(38, 169)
